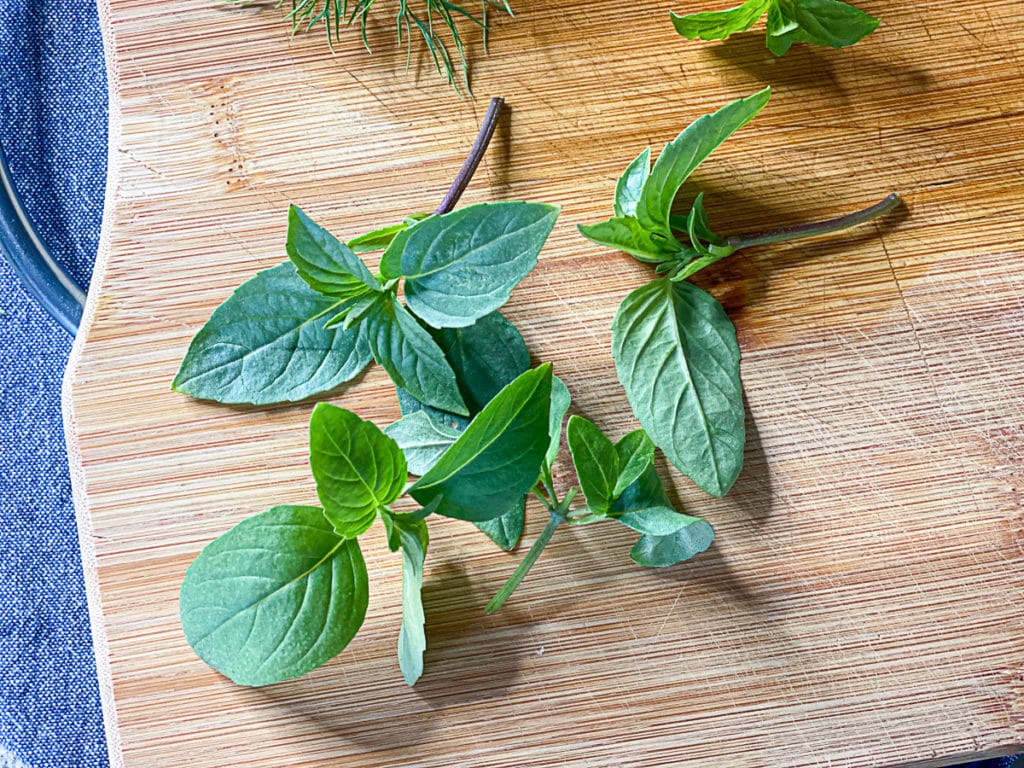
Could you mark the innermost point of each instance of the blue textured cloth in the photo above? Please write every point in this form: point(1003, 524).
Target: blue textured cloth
point(53, 126)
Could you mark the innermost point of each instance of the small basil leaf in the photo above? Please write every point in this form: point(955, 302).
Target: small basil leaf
point(358, 469)
point(381, 238)
point(505, 531)
point(560, 402)
point(698, 226)
point(655, 521)
point(627, 235)
point(463, 265)
point(412, 539)
point(664, 551)
point(828, 22)
point(636, 453)
point(410, 356)
point(422, 440)
point(497, 459)
point(596, 462)
point(718, 25)
point(276, 596)
point(627, 190)
point(324, 262)
point(781, 31)
point(267, 344)
point(682, 156)
point(676, 355)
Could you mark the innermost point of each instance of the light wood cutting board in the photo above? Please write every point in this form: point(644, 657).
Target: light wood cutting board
point(864, 602)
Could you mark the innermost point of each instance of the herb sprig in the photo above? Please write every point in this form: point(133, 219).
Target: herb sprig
point(674, 346)
point(822, 22)
point(436, 21)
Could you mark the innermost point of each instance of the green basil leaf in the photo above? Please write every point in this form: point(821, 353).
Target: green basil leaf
point(276, 596)
point(596, 462)
point(358, 469)
point(682, 156)
point(627, 235)
point(411, 536)
point(267, 344)
point(635, 452)
point(497, 459)
point(676, 355)
point(328, 265)
point(463, 265)
point(505, 531)
point(485, 357)
point(381, 238)
point(410, 356)
point(422, 439)
point(627, 190)
point(663, 551)
point(828, 22)
point(718, 25)
point(781, 31)
point(560, 402)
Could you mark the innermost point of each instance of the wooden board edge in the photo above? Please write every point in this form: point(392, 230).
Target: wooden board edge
point(83, 519)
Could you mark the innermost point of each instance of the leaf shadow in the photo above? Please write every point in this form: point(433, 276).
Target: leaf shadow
point(814, 68)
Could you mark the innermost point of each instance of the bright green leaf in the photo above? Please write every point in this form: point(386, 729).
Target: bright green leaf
point(275, 597)
point(410, 356)
point(828, 22)
point(627, 190)
point(596, 462)
point(358, 469)
point(560, 402)
point(635, 452)
point(463, 265)
point(676, 355)
point(267, 344)
point(718, 25)
point(627, 235)
point(328, 265)
point(781, 31)
point(682, 156)
point(379, 239)
point(497, 459)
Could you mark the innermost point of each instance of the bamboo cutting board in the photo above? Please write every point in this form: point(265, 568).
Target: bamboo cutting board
point(864, 602)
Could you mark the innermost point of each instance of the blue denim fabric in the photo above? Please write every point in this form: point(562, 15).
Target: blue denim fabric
point(53, 112)
point(53, 108)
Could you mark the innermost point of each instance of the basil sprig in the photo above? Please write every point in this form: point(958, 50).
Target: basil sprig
point(674, 346)
point(821, 22)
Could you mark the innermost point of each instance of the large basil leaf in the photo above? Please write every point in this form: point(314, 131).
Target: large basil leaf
point(463, 265)
point(276, 596)
point(630, 183)
point(409, 534)
point(595, 460)
point(267, 344)
point(682, 156)
point(828, 22)
point(497, 459)
point(676, 355)
point(358, 469)
point(328, 265)
point(409, 355)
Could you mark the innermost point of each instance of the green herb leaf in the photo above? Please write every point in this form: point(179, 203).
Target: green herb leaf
point(463, 265)
point(828, 22)
point(627, 235)
point(422, 439)
point(410, 356)
point(267, 344)
point(663, 551)
point(635, 452)
point(276, 596)
point(379, 239)
point(497, 459)
point(410, 535)
point(781, 31)
point(326, 264)
point(682, 156)
point(596, 462)
point(560, 402)
point(358, 469)
point(676, 355)
point(718, 25)
point(630, 184)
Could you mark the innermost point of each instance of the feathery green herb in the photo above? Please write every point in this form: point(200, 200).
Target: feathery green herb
point(674, 346)
point(822, 22)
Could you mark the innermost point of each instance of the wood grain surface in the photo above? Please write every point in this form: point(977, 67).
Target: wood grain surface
point(864, 602)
